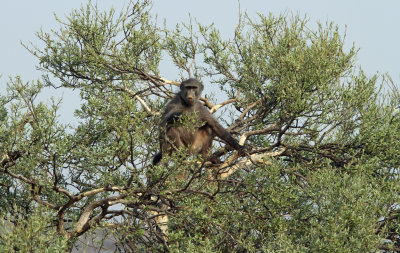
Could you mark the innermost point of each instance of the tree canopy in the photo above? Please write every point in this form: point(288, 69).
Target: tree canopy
point(323, 140)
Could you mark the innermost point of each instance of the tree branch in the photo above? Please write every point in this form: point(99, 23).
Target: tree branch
point(226, 169)
point(82, 225)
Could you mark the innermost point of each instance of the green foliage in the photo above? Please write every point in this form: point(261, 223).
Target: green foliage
point(30, 233)
point(265, 212)
point(322, 135)
point(334, 218)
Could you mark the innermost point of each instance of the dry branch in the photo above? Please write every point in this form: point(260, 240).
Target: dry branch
point(227, 168)
point(273, 127)
point(82, 224)
point(216, 107)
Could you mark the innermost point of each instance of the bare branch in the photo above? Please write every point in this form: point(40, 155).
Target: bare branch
point(216, 107)
point(82, 224)
point(273, 127)
point(207, 102)
point(255, 158)
point(99, 190)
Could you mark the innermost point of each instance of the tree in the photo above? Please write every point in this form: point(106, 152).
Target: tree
point(320, 175)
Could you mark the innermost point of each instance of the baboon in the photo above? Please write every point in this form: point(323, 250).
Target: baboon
point(173, 135)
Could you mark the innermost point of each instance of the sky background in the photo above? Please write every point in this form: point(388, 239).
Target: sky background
point(373, 27)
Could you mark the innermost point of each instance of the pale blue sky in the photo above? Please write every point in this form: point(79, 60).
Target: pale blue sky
point(371, 25)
